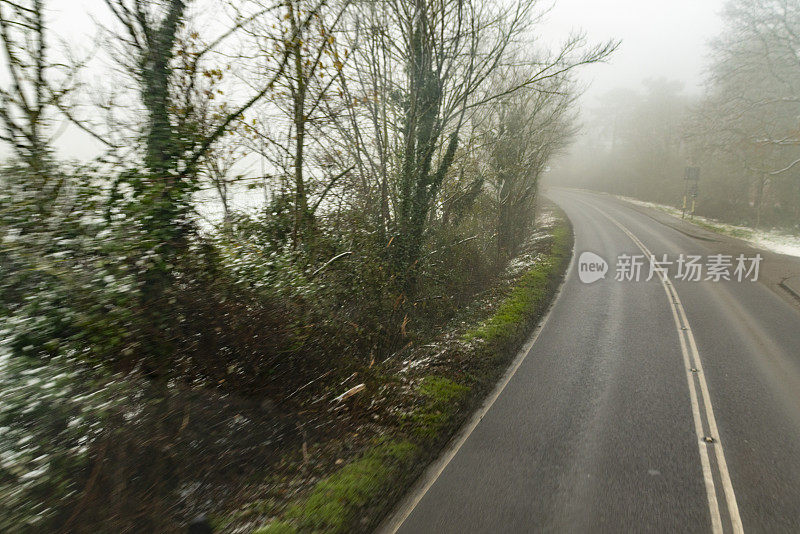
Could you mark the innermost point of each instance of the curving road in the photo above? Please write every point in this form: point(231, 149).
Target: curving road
point(650, 406)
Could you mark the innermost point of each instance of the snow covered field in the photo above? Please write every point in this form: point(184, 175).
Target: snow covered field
point(772, 240)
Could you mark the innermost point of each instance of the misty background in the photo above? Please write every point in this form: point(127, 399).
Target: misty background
point(731, 115)
point(664, 46)
point(658, 40)
point(639, 101)
point(213, 208)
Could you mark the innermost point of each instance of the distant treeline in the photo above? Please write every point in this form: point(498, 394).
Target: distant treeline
point(743, 132)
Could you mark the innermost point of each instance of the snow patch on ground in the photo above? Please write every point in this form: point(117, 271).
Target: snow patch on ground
point(777, 242)
point(772, 240)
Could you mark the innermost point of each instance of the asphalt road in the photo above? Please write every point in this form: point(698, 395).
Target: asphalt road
point(601, 426)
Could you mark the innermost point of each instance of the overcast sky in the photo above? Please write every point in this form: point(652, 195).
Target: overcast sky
point(659, 39)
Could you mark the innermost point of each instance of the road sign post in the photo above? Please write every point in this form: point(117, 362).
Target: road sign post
point(691, 178)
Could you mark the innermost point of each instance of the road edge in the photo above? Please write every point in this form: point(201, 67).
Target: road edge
point(417, 490)
point(368, 492)
point(780, 286)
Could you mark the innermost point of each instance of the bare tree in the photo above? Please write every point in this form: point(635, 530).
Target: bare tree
point(299, 91)
point(527, 129)
point(179, 131)
point(30, 100)
point(750, 112)
point(428, 65)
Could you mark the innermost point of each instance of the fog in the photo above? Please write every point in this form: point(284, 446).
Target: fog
point(659, 39)
point(718, 95)
point(259, 259)
point(664, 60)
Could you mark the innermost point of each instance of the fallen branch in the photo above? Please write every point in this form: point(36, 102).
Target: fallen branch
point(350, 392)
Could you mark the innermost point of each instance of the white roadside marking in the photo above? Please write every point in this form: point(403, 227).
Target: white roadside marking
point(393, 524)
point(685, 333)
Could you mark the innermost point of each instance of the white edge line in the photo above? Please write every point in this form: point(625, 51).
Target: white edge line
point(432, 472)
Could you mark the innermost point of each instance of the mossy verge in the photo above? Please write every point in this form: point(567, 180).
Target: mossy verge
point(378, 478)
point(443, 399)
point(529, 298)
point(333, 504)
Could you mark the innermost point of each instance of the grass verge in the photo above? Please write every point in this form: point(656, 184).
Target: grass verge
point(725, 229)
point(356, 496)
point(529, 298)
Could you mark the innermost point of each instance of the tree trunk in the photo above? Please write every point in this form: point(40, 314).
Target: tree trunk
point(299, 119)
